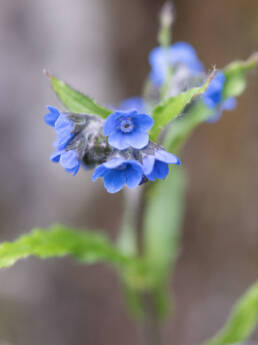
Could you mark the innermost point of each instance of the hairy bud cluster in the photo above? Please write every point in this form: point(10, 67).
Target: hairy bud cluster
point(119, 148)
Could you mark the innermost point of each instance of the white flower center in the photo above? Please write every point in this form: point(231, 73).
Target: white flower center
point(127, 125)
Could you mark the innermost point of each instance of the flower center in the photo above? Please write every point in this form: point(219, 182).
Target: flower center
point(126, 125)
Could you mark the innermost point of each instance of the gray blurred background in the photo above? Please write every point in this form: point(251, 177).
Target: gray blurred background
point(101, 47)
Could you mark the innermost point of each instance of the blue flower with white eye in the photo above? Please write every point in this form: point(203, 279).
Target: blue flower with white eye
point(127, 129)
point(180, 53)
point(157, 166)
point(119, 172)
point(132, 103)
point(68, 159)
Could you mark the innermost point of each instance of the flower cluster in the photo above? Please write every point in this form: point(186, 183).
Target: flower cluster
point(119, 147)
point(181, 60)
point(178, 56)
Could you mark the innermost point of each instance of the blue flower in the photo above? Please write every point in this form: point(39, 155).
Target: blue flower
point(51, 117)
point(68, 159)
point(228, 104)
point(157, 166)
point(63, 125)
point(214, 93)
point(119, 172)
point(70, 144)
point(132, 103)
point(179, 53)
point(213, 97)
point(127, 129)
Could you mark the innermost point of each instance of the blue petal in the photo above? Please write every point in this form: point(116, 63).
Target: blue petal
point(74, 170)
point(148, 163)
point(160, 171)
point(143, 121)
point(69, 159)
point(111, 123)
point(63, 139)
point(51, 117)
point(133, 175)
point(114, 163)
point(166, 157)
point(118, 140)
point(213, 95)
point(99, 172)
point(114, 180)
point(182, 52)
point(137, 139)
point(55, 157)
point(159, 61)
point(63, 123)
point(229, 104)
point(132, 103)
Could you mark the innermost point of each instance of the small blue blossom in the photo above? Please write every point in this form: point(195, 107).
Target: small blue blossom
point(132, 103)
point(180, 53)
point(214, 93)
point(63, 125)
point(119, 172)
point(127, 129)
point(157, 166)
point(213, 97)
point(68, 159)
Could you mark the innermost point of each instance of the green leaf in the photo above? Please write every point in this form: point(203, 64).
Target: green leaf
point(242, 321)
point(235, 74)
point(61, 241)
point(76, 101)
point(162, 222)
point(182, 127)
point(173, 106)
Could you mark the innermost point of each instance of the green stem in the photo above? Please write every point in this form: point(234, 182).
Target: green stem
point(152, 325)
point(127, 240)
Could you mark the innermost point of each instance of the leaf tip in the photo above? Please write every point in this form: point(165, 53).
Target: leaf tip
point(46, 73)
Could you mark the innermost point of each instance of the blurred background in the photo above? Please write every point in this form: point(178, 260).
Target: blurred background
point(101, 47)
